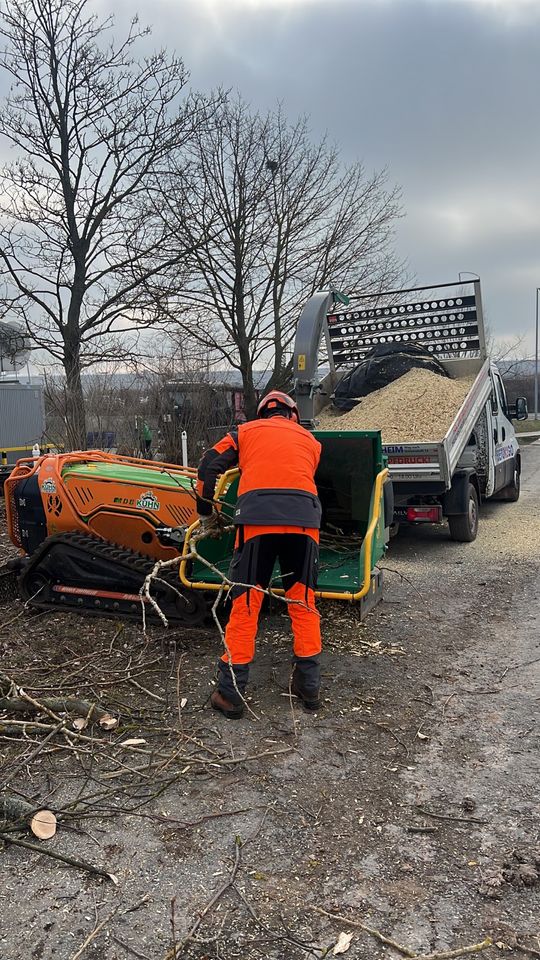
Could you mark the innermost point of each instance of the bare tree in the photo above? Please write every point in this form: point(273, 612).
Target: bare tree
point(93, 129)
point(112, 402)
point(183, 393)
point(507, 352)
point(272, 217)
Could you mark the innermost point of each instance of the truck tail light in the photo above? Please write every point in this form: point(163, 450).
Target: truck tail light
point(424, 514)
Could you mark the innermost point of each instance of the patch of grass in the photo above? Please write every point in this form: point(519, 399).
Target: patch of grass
point(525, 426)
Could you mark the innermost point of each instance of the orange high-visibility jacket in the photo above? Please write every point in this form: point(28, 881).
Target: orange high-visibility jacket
point(277, 459)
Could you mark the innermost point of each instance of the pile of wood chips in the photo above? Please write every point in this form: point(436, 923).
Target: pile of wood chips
point(418, 407)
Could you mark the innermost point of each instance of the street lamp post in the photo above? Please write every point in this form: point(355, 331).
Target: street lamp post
point(536, 360)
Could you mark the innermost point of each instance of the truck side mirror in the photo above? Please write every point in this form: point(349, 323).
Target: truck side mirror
point(521, 409)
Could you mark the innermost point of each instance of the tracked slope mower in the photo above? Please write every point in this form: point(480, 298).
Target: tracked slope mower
point(90, 527)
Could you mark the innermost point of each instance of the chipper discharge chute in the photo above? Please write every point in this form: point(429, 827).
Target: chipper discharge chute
point(356, 497)
point(91, 526)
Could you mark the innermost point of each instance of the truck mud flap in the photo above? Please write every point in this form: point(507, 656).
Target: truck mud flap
point(455, 500)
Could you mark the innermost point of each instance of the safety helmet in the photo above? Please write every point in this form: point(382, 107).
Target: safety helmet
point(276, 401)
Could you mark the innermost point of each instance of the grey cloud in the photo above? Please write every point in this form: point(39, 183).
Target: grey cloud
point(443, 92)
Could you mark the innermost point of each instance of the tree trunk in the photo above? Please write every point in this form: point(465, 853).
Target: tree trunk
point(246, 364)
point(75, 414)
point(250, 394)
point(75, 411)
point(250, 398)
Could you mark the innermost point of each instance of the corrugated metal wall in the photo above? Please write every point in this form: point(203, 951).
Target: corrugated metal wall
point(22, 416)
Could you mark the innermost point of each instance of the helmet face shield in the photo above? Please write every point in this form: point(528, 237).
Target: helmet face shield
point(278, 402)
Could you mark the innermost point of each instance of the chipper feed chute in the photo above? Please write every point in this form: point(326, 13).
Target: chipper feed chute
point(352, 481)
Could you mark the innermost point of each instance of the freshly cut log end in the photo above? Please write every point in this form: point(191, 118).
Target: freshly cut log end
point(43, 824)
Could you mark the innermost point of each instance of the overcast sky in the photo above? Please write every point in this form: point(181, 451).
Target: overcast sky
point(445, 93)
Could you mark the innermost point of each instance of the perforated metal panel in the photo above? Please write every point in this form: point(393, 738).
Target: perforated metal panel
point(449, 326)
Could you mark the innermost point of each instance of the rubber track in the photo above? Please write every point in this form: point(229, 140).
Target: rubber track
point(9, 589)
point(121, 557)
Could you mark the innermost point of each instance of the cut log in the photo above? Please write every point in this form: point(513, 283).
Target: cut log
point(81, 708)
point(42, 822)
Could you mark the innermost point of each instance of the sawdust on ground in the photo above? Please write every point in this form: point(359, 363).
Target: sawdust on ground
point(419, 406)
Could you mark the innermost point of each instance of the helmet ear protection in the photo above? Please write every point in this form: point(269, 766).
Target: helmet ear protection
point(278, 402)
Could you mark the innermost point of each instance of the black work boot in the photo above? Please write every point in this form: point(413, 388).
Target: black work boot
point(232, 711)
point(306, 681)
point(226, 698)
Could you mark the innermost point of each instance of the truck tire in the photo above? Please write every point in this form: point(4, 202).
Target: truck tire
point(512, 491)
point(464, 526)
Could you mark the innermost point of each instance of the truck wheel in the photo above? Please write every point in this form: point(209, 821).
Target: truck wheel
point(512, 491)
point(464, 526)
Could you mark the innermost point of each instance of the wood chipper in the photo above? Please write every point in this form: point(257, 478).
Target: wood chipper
point(356, 497)
point(91, 525)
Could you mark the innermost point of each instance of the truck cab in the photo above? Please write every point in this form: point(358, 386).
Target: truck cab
point(505, 456)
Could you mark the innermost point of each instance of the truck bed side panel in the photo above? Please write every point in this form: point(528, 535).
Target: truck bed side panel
point(457, 437)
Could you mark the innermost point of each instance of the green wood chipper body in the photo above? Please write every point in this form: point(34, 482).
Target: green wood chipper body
point(355, 493)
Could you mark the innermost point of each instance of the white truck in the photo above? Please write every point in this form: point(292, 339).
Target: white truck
point(479, 456)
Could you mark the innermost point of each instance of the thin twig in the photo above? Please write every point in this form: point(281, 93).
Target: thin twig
point(34, 753)
point(93, 935)
point(293, 713)
point(82, 864)
point(405, 951)
point(173, 928)
point(171, 954)
point(129, 948)
point(460, 952)
point(144, 689)
point(443, 816)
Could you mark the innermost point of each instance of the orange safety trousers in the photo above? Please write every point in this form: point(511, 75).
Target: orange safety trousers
point(257, 549)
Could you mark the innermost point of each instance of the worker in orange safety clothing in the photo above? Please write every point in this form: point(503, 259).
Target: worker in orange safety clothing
point(278, 516)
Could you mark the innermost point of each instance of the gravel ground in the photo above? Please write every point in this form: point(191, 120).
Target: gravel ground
point(408, 804)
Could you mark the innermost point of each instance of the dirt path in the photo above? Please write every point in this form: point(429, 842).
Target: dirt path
point(409, 803)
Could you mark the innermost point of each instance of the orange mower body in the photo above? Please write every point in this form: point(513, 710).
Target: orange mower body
point(119, 499)
point(92, 525)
